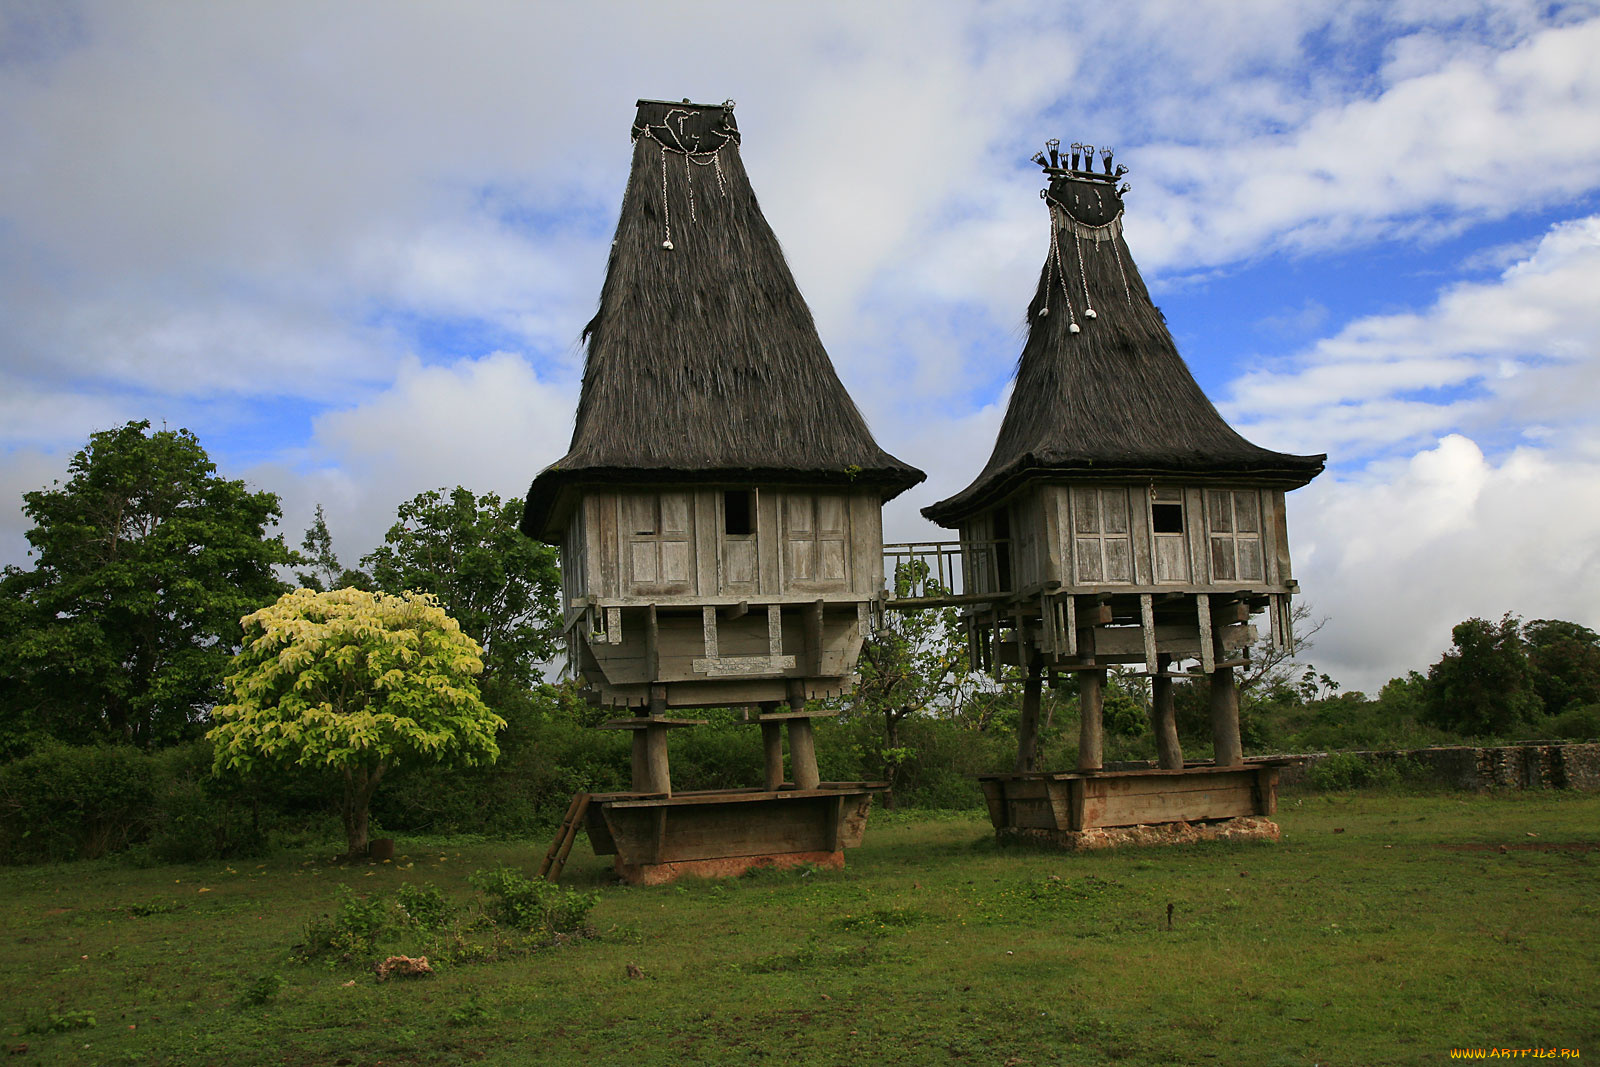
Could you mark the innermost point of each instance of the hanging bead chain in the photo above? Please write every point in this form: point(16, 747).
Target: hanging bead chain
point(1083, 276)
point(666, 206)
point(1126, 293)
point(689, 171)
point(1053, 270)
point(712, 158)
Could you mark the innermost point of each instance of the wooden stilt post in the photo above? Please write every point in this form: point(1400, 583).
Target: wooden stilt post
point(1091, 735)
point(1028, 727)
point(802, 744)
point(772, 746)
point(657, 774)
point(1225, 719)
point(1164, 717)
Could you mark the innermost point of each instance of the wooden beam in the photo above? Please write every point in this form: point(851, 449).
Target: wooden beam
point(814, 638)
point(736, 611)
point(802, 742)
point(708, 625)
point(1225, 743)
point(614, 626)
point(772, 751)
point(1164, 718)
point(774, 630)
point(1091, 732)
point(1028, 725)
point(652, 646)
point(1147, 622)
point(1208, 653)
point(1070, 624)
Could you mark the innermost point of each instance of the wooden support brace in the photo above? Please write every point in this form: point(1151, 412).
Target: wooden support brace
point(736, 611)
point(708, 624)
point(652, 653)
point(814, 637)
point(802, 742)
point(1047, 624)
point(614, 626)
point(1070, 624)
point(1147, 622)
point(774, 630)
point(1208, 653)
point(772, 749)
point(1091, 734)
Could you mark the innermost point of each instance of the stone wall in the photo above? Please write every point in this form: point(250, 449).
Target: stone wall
point(1533, 765)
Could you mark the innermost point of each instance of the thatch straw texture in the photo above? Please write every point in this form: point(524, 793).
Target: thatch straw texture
point(704, 364)
point(1115, 399)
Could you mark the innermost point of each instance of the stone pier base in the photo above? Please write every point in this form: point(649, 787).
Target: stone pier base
point(725, 867)
point(1244, 828)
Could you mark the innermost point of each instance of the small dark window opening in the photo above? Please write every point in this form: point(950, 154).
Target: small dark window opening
point(1168, 518)
point(738, 517)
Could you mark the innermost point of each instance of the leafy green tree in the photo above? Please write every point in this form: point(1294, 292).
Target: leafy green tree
point(1566, 663)
point(916, 662)
point(1484, 685)
point(356, 683)
point(326, 572)
point(145, 560)
point(503, 588)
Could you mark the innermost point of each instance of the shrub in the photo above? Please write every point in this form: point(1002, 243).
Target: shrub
point(1352, 770)
point(63, 803)
point(533, 906)
point(353, 930)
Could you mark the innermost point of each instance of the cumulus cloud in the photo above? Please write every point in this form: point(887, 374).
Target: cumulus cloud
point(1399, 554)
point(489, 424)
point(1521, 350)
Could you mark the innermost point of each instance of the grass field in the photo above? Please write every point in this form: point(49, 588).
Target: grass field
point(1383, 929)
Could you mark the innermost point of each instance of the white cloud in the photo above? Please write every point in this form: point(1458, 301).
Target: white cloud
point(1521, 350)
point(1399, 554)
point(489, 424)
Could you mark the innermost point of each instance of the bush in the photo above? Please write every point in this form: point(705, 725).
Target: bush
point(64, 803)
point(352, 931)
point(1341, 771)
point(1574, 724)
point(533, 906)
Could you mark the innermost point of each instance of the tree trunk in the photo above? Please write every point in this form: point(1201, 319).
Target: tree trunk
point(359, 785)
point(891, 766)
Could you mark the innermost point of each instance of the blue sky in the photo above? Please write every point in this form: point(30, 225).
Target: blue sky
point(352, 247)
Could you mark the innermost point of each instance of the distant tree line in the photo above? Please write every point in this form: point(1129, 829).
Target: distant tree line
point(116, 646)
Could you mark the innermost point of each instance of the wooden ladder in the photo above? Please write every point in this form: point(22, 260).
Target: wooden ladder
point(556, 858)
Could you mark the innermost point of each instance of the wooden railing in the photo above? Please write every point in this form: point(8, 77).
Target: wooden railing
point(942, 572)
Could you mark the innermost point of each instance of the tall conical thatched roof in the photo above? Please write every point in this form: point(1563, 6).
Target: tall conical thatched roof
point(704, 363)
point(1101, 391)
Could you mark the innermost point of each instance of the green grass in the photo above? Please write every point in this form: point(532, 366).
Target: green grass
point(1368, 946)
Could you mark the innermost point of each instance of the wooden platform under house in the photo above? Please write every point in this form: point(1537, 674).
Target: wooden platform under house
point(718, 513)
point(1119, 522)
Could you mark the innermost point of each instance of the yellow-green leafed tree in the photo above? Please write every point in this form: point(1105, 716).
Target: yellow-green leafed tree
point(356, 683)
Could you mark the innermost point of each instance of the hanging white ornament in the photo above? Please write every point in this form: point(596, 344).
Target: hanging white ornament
point(1044, 313)
point(667, 245)
point(1089, 313)
point(1073, 328)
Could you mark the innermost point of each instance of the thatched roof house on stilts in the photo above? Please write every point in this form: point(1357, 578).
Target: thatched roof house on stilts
point(1119, 520)
point(719, 510)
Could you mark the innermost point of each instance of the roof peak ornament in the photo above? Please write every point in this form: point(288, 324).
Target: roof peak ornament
point(1078, 162)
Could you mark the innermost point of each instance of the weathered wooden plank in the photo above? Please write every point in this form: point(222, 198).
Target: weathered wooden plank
point(1208, 652)
point(768, 826)
point(706, 533)
point(1091, 735)
point(1147, 624)
point(1114, 809)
